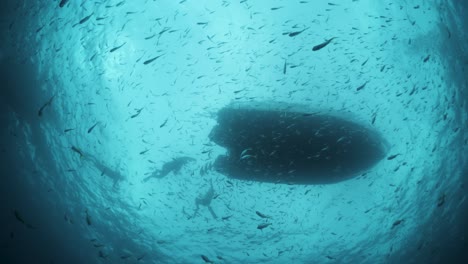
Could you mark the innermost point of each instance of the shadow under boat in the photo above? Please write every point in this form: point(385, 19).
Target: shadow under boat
point(283, 143)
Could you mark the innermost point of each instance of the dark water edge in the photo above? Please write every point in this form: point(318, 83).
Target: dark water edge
point(444, 240)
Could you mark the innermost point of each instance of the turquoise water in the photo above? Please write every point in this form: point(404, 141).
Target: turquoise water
point(97, 96)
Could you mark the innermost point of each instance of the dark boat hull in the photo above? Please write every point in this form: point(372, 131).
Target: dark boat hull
point(293, 147)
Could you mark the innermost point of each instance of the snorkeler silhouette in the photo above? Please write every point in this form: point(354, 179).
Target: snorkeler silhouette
point(171, 166)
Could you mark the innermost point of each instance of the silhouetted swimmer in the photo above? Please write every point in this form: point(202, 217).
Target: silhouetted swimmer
point(172, 166)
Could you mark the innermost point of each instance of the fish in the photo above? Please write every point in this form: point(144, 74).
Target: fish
point(164, 123)
point(206, 259)
point(125, 256)
point(118, 47)
point(75, 149)
point(163, 31)
point(83, 20)
point(150, 37)
point(92, 57)
point(413, 90)
point(91, 128)
point(39, 29)
point(151, 60)
point(88, 218)
point(397, 222)
point(137, 113)
point(284, 67)
point(48, 103)
point(309, 114)
point(63, 3)
point(21, 219)
point(238, 91)
point(364, 63)
point(392, 156)
point(441, 200)
point(144, 151)
point(427, 58)
point(224, 218)
point(247, 156)
point(322, 45)
point(295, 33)
point(361, 87)
point(68, 130)
point(276, 8)
point(245, 151)
point(262, 226)
point(86, 18)
point(262, 215)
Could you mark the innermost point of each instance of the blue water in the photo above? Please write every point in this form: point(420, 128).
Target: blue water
point(98, 95)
